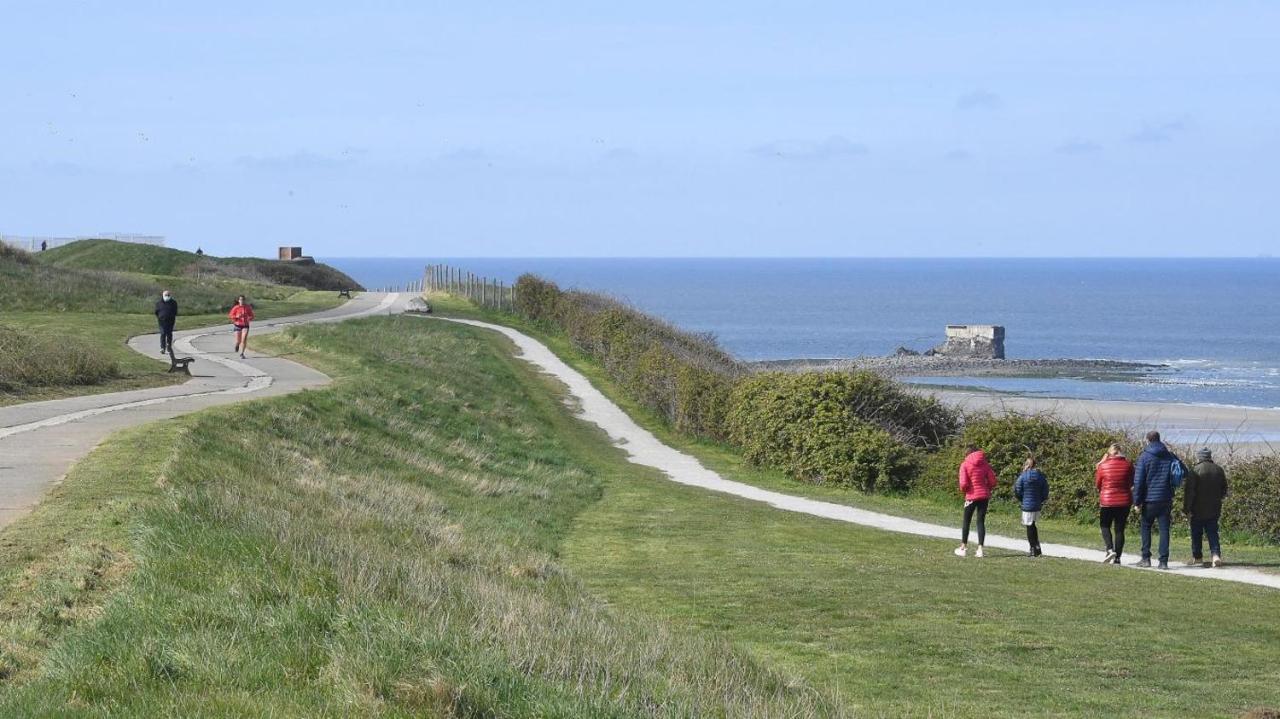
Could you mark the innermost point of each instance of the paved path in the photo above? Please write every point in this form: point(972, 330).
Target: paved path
point(39, 441)
point(645, 449)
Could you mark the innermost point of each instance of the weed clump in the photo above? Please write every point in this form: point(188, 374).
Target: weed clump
point(30, 359)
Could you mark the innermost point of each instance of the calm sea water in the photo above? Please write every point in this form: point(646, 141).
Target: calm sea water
point(1215, 322)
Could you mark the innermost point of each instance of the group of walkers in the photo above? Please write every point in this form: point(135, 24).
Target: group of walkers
point(1148, 486)
point(241, 315)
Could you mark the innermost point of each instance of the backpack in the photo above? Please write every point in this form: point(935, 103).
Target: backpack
point(1177, 471)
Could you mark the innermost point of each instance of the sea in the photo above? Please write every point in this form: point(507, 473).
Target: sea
point(1214, 324)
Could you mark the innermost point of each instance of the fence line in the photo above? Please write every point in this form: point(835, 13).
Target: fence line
point(483, 291)
point(33, 243)
point(414, 286)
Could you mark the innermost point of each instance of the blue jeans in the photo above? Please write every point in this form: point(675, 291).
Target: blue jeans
point(1199, 528)
point(1156, 512)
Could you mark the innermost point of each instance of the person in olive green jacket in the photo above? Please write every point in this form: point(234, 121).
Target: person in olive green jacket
point(1202, 496)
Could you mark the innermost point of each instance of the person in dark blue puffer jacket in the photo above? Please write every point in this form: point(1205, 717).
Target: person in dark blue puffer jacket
point(1153, 495)
point(1032, 490)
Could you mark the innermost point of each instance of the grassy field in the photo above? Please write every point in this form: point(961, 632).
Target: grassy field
point(386, 547)
point(436, 535)
point(108, 332)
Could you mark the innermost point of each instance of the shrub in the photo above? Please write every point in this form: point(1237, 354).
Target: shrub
point(39, 360)
point(1066, 453)
point(1253, 502)
point(682, 377)
point(812, 425)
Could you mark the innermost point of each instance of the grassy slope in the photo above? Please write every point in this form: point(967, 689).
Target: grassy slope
point(150, 260)
point(386, 547)
point(1003, 519)
point(898, 626)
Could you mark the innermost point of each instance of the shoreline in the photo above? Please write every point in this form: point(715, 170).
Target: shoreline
point(1234, 431)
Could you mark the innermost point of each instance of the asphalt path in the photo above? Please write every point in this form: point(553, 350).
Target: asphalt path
point(39, 441)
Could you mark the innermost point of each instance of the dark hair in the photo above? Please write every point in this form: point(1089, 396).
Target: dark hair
point(970, 448)
point(239, 297)
point(1153, 436)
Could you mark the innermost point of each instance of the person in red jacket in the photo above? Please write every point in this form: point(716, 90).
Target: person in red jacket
point(1114, 479)
point(977, 480)
point(241, 315)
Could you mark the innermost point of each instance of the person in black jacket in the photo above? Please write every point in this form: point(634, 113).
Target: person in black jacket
point(166, 315)
point(1206, 486)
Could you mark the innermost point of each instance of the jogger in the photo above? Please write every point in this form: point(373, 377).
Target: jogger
point(241, 315)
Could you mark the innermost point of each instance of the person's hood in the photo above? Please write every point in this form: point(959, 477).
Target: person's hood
point(975, 457)
point(1157, 449)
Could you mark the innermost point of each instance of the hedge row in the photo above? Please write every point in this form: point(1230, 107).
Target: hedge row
point(853, 429)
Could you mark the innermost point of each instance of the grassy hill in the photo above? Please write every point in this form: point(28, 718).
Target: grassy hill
point(436, 535)
point(151, 260)
point(62, 328)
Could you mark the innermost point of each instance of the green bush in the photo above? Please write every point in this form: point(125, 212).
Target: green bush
point(1253, 501)
point(1066, 453)
point(815, 427)
point(682, 377)
point(38, 360)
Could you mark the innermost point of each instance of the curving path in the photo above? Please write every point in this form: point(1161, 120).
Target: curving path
point(645, 449)
point(39, 441)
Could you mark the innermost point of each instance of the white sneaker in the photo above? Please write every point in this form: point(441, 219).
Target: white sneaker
point(979, 552)
point(960, 550)
point(1111, 555)
point(1217, 561)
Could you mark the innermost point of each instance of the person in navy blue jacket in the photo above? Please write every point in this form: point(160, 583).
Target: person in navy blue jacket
point(1032, 490)
point(1153, 495)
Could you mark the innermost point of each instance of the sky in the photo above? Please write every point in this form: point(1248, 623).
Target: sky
point(660, 128)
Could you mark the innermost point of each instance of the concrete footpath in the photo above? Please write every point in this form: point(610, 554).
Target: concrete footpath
point(39, 441)
point(645, 449)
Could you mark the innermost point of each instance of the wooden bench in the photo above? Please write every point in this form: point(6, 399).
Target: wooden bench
point(179, 364)
point(344, 293)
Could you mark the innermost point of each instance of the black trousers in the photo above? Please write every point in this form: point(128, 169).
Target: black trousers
point(1115, 517)
point(979, 507)
point(166, 336)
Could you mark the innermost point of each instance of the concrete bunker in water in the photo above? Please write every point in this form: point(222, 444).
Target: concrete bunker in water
point(972, 341)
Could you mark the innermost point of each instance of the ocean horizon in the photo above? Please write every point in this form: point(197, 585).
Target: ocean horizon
point(1211, 321)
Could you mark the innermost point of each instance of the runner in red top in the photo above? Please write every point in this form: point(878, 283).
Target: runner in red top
point(241, 315)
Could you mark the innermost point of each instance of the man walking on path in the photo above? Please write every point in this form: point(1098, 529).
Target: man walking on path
point(1202, 501)
point(166, 315)
point(1153, 495)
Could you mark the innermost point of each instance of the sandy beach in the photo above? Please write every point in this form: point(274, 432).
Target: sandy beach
point(1231, 430)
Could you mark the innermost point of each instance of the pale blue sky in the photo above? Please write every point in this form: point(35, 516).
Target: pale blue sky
point(562, 129)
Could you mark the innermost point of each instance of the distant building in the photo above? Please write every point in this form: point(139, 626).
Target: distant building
point(977, 341)
point(290, 253)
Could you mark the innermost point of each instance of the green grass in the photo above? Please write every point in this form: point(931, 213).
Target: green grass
point(1004, 517)
point(386, 547)
point(108, 332)
point(152, 260)
point(896, 626)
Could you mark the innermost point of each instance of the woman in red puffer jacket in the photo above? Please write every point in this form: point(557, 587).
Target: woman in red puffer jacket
point(977, 480)
point(1114, 479)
